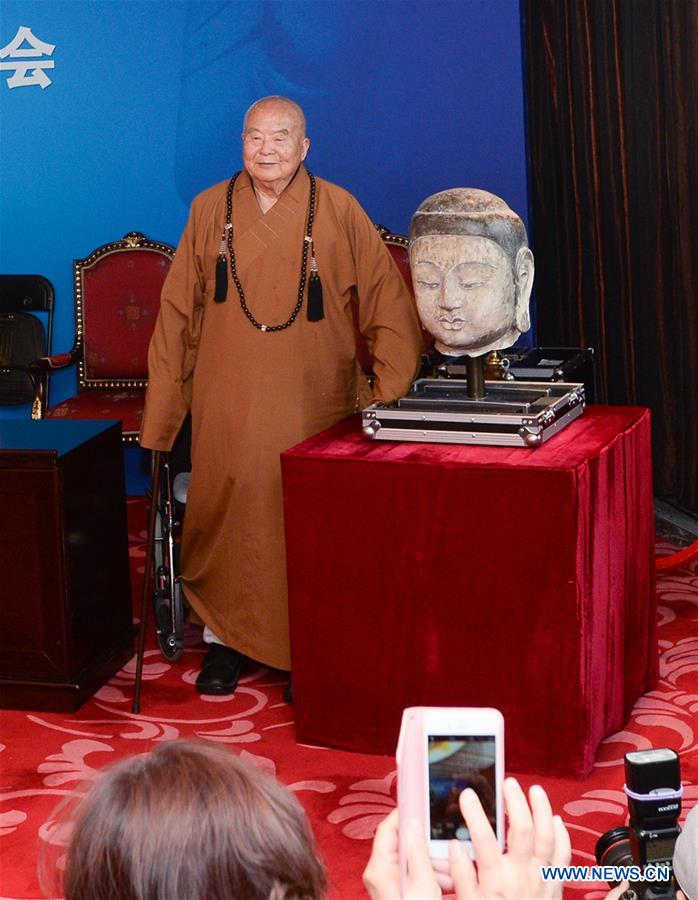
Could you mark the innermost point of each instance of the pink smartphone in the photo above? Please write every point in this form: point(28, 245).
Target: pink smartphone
point(440, 752)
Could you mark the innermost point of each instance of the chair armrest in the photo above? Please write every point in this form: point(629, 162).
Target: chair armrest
point(39, 371)
point(46, 364)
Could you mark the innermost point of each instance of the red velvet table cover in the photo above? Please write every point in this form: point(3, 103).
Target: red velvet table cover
point(451, 575)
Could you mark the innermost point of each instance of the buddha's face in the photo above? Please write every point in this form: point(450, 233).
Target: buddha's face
point(467, 295)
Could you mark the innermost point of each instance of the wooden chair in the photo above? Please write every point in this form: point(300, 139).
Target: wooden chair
point(117, 298)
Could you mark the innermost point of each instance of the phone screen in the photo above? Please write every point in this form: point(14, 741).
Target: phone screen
point(455, 763)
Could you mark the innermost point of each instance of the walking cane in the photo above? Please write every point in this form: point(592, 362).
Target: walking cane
point(145, 602)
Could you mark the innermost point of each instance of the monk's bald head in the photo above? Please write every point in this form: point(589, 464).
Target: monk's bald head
point(276, 102)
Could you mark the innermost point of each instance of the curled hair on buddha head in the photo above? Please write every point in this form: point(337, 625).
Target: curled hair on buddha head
point(471, 211)
point(190, 821)
point(449, 218)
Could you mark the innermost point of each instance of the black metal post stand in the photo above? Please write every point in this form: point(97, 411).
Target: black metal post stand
point(475, 371)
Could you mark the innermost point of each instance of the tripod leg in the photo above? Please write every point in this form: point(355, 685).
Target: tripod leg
point(145, 602)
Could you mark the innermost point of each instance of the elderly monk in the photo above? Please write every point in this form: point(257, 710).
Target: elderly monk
point(255, 336)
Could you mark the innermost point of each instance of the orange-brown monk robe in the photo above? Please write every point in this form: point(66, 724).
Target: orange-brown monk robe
point(253, 394)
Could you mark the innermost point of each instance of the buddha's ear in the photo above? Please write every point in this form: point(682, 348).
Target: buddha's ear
point(524, 270)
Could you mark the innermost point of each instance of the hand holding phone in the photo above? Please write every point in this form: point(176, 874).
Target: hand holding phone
point(442, 751)
point(382, 874)
point(535, 837)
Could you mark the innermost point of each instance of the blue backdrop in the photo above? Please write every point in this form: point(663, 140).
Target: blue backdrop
point(145, 103)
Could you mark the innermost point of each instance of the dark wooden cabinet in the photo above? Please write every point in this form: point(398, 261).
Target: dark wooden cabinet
point(65, 594)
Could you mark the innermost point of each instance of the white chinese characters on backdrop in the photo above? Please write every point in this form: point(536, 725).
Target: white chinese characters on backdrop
point(29, 68)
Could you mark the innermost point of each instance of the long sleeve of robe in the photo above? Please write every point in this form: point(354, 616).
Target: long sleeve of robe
point(253, 394)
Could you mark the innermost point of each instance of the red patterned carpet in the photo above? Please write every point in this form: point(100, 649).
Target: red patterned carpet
point(45, 756)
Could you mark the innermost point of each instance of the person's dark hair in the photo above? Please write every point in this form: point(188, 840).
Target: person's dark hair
point(191, 821)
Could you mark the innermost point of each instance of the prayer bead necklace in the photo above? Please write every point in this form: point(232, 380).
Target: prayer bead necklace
point(307, 242)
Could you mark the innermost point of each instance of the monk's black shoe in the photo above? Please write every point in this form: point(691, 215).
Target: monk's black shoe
point(220, 671)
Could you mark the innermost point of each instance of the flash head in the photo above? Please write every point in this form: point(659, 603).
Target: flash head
point(652, 772)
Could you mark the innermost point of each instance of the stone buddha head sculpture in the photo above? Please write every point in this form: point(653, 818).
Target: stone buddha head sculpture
point(472, 271)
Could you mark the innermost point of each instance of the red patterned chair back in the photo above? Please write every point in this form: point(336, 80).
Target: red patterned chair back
point(398, 245)
point(117, 297)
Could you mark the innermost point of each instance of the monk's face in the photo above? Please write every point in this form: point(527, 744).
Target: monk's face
point(273, 145)
point(465, 291)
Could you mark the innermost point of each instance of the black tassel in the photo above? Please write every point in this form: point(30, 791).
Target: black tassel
point(316, 310)
point(221, 279)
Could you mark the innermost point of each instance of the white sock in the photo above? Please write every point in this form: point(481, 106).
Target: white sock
point(210, 637)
